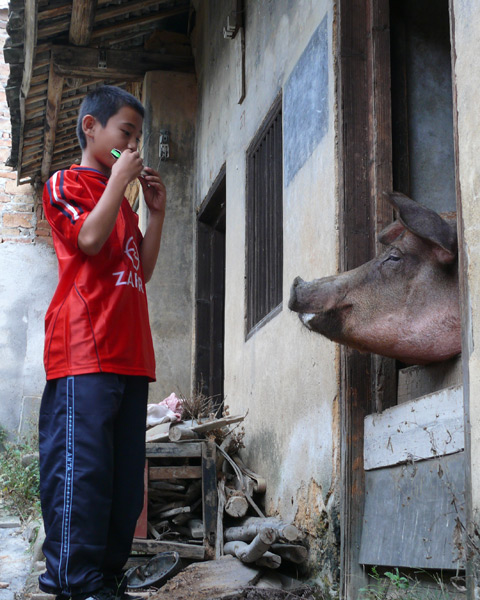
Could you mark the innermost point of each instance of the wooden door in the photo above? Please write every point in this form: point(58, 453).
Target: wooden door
point(394, 61)
point(210, 295)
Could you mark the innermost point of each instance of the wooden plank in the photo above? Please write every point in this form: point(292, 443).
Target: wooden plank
point(81, 23)
point(114, 64)
point(54, 97)
point(209, 494)
point(155, 547)
point(424, 428)
point(158, 473)
point(28, 58)
point(411, 512)
point(173, 449)
point(356, 247)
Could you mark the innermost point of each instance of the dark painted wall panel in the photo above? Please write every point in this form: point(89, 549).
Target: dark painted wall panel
point(306, 103)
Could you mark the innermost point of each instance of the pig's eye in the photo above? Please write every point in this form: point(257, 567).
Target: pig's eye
point(393, 257)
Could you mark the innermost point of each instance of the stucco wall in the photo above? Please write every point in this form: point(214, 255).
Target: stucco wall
point(170, 104)
point(466, 21)
point(28, 275)
point(285, 376)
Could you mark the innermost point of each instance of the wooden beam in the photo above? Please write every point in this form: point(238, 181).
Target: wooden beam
point(138, 22)
point(81, 24)
point(29, 55)
point(70, 61)
point(131, 7)
point(54, 97)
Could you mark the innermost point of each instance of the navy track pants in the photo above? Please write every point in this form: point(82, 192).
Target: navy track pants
point(92, 457)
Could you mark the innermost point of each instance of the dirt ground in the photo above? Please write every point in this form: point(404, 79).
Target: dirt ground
point(255, 593)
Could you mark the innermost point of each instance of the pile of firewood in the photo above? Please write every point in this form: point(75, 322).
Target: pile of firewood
point(175, 508)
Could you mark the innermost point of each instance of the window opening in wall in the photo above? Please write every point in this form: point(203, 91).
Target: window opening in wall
point(264, 226)
point(423, 163)
point(422, 122)
point(210, 301)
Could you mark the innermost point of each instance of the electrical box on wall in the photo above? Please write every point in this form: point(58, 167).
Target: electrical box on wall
point(163, 145)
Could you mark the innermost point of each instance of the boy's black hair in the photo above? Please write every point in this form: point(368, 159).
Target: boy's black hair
point(102, 103)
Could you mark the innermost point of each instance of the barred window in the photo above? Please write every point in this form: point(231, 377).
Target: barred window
point(264, 227)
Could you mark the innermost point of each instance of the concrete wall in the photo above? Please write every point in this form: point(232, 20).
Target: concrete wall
point(466, 31)
point(170, 103)
point(285, 376)
point(28, 275)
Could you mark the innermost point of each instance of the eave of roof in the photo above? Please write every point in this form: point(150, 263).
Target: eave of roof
point(59, 50)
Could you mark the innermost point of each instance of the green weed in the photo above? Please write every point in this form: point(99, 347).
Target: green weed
point(19, 484)
point(392, 585)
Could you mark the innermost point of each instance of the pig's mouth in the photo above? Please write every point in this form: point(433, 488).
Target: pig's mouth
point(306, 319)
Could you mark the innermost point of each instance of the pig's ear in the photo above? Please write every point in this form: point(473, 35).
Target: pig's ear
point(427, 224)
point(390, 233)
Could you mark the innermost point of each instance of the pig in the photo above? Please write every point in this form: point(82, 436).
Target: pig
point(403, 304)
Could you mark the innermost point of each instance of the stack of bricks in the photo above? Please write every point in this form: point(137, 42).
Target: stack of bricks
point(21, 217)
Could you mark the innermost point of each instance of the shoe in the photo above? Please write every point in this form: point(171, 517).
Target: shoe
point(126, 596)
point(103, 594)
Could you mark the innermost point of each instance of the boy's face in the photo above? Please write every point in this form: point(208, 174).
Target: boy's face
point(123, 130)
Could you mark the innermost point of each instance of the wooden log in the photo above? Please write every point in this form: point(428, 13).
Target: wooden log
point(155, 547)
point(260, 484)
point(252, 525)
point(165, 514)
point(182, 518)
point(270, 560)
point(152, 531)
point(249, 553)
point(267, 559)
point(292, 552)
point(236, 505)
point(181, 432)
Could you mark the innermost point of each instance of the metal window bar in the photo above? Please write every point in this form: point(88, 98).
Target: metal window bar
point(265, 221)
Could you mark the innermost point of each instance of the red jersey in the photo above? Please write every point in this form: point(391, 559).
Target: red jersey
point(98, 318)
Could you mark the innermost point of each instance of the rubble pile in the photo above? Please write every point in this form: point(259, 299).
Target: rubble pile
point(203, 501)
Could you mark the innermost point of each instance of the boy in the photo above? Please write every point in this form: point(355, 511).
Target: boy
point(98, 353)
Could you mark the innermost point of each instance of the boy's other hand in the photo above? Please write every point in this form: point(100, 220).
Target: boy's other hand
point(129, 165)
point(154, 191)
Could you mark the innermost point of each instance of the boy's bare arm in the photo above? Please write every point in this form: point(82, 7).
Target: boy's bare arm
point(155, 197)
point(100, 222)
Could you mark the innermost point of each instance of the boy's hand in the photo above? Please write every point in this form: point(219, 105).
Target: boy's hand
point(129, 165)
point(154, 191)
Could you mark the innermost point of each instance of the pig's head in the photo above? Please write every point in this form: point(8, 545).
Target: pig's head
point(403, 304)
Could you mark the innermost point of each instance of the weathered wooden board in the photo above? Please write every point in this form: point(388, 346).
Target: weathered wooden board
point(159, 473)
point(423, 428)
point(411, 512)
point(174, 450)
point(155, 547)
point(417, 381)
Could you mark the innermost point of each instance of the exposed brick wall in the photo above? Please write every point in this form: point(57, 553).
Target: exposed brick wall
point(21, 215)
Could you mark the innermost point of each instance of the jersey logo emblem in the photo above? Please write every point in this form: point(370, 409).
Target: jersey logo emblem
point(131, 251)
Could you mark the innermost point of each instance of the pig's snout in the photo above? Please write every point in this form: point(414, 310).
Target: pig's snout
point(293, 303)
